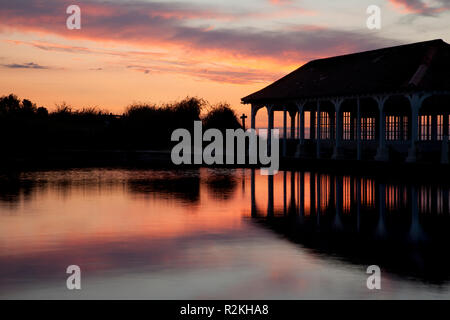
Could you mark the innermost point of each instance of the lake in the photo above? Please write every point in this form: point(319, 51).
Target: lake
point(220, 234)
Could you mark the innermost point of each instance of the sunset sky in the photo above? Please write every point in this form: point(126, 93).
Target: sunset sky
point(160, 51)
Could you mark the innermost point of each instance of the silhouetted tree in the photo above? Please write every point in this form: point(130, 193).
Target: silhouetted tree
point(42, 112)
point(25, 127)
point(221, 116)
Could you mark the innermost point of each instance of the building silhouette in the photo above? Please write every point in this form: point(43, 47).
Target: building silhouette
point(386, 104)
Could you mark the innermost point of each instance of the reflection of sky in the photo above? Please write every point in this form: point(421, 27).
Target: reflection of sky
point(135, 242)
point(159, 51)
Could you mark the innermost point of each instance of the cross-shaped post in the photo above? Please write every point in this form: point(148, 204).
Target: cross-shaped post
point(243, 117)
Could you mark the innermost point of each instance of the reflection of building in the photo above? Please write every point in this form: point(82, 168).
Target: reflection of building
point(349, 200)
point(401, 227)
point(383, 104)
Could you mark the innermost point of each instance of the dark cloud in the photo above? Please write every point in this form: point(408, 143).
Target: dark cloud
point(30, 65)
point(167, 23)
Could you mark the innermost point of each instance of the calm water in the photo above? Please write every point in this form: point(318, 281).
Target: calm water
point(202, 234)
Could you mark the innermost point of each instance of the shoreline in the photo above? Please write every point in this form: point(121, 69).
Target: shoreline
point(84, 158)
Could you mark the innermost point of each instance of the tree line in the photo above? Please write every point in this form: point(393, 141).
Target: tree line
point(24, 127)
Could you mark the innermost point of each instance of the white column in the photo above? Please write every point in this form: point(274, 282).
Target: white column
point(358, 129)
point(253, 116)
point(301, 120)
point(301, 128)
point(415, 101)
point(269, 129)
point(414, 131)
point(292, 133)
point(382, 152)
point(318, 131)
point(337, 148)
point(253, 144)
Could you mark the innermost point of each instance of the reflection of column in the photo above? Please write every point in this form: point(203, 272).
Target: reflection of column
point(381, 228)
point(253, 199)
point(444, 150)
point(312, 192)
point(332, 192)
point(337, 217)
point(318, 198)
point(358, 202)
point(301, 189)
point(270, 195)
point(433, 196)
point(284, 131)
point(292, 202)
point(415, 232)
point(284, 193)
point(243, 181)
point(445, 204)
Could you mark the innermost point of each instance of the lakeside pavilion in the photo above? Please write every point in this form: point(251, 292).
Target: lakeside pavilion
point(390, 104)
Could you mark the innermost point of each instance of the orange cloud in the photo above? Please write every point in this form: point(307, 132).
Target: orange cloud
point(163, 49)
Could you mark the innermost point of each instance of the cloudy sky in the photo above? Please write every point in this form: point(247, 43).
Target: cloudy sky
point(142, 50)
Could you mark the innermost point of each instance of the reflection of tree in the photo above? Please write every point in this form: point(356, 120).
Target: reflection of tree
point(184, 185)
point(13, 189)
point(185, 188)
point(221, 183)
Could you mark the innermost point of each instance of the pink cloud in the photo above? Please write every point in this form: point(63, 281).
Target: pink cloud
point(420, 6)
point(166, 25)
point(280, 2)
